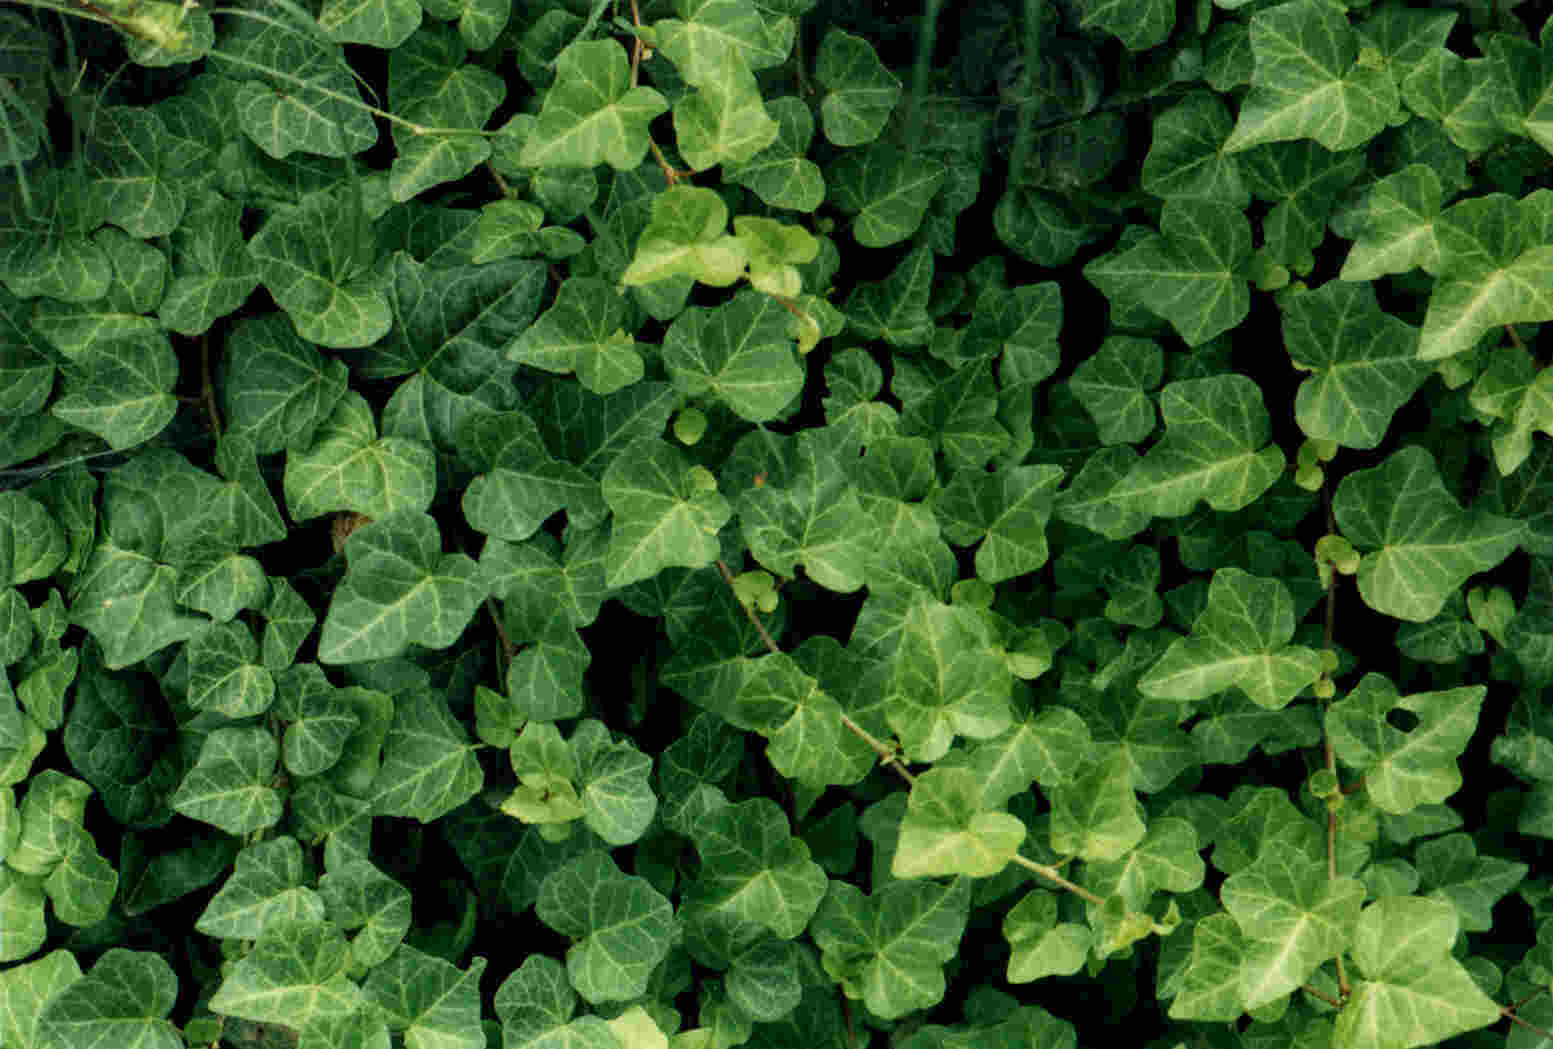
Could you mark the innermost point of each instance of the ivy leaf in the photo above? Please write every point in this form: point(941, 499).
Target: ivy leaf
point(889, 948)
point(266, 885)
point(591, 115)
point(213, 272)
point(782, 175)
point(26, 989)
point(429, 766)
point(224, 672)
point(808, 741)
point(348, 467)
point(1308, 82)
point(1396, 231)
point(1095, 816)
point(946, 680)
point(1403, 770)
point(617, 802)
point(121, 390)
point(887, 188)
point(399, 589)
point(1212, 450)
point(1412, 991)
point(125, 600)
point(1450, 868)
point(1365, 363)
point(665, 512)
point(860, 91)
point(229, 787)
point(583, 331)
point(430, 83)
point(1040, 945)
point(755, 875)
point(621, 926)
point(1006, 512)
point(1293, 918)
point(359, 896)
point(1240, 639)
point(1419, 544)
point(381, 23)
point(724, 120)
point(123, 999)
point(295, 974)
point(1112, 386)
point(946, 832)
point(279, 389)
point(739, 352)
point(1193, 273)
point(432, 1002)
point(308, 258)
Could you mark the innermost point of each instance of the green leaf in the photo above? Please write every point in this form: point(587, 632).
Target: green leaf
point(1241, 639)
point(946, 832)
point(620, 925)
point(617, 802)
point(28, 988)
point(583, 331)
point(224, 672)
point(755, 876)
point(430, 83)
point(432, 1002)
point(781, 174)
point(1293, 918)
point(1365, 363)
point(739, 352)
point(1193, 273)
point(348, 467)
point(381, 23)
point(1412, 991)
point(1096, 815)
point(1006, 512)
point(359, 896)
point(887, 189)
point(1113, 387)
point(724, 120)
point(125, 601)
point(1212, 450)
point(1450, 868)
point(591, 114)
point(803, 722)
point(230, 786)
point(429, 766)
point(123, 999)
point(265, 887)
point(1040, 945)
point(213, 273)
point(946, 681)
point(1419, 544)
point(295, 974)
point(860, 92)
point(665, 513)
point(889, 948)
point(121, 390)
point(1308, 82)
point(32, 545)
point(1403, 770)
point(399, 589)
point(814, 517)
point(321, 272)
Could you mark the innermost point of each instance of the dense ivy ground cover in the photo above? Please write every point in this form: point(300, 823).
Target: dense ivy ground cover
point(555, 524)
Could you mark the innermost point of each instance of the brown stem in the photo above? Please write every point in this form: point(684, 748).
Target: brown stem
point(1333, 1002)
point(207, 391)
point(1326, 738)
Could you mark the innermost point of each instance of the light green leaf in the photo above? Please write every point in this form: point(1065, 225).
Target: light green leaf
point(946, 680)
point(1006, 512)
point(296, 973)
point(1040, 945)
point(617, 802)
point(946, 832)
point(26, 989)
point(1403, 770)
point(621, 926)
point(359, 896)
point(1096, 816)
point(1293, 918)
point(687, 235)
point(583, 331)
point(399, 589)
point(381, 23)
point(1412, 991)
point(125, 601)
point(1365, 363)
point(1418, 544)
point(723, 121)
point(815, 517)
point(782, 175)
point(429, 766)
point(433, 1003)
point(1396, 223)
point(316, 262)
point(266, 885)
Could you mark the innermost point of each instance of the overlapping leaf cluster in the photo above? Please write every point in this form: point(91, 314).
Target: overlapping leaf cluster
point(1160, 392)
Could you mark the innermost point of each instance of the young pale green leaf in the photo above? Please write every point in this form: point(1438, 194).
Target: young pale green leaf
point(723, 121)
point(1412, 991)
point(1403, 770)
point(1039, 944)
point(1241, 639)
point(591, 114)
point(1419, 544)
point(621, 926)
point(946, 832)
point(889, 948)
